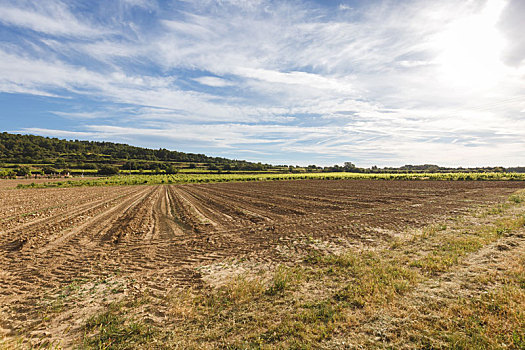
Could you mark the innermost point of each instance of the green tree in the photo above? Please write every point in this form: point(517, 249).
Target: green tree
point(23, 171)
point(49, 170)
point(349, 166)
point(107, 170)
point(171, 169)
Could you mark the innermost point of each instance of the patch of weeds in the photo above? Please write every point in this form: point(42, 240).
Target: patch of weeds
point(321, 311)
point(353, 295)
point(226, 298)
point(396, 244)
point(118, 288)
point(517, 198)
point(314, 322)
point(489, 322)
point(431, 230)
point(447, 255)
point(242, 290)
point(282, 279)
point(505, 226)
point(502, 231)
point(518, 339)
point(427, 232)
point(497, 210)
point(111, 330)
point(369, 277)
point(461, 246)
point(56, 306)
point(285, 330)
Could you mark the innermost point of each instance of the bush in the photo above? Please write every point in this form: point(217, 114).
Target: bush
point(107, 170)
point(23, 171)
point(172, 169)
point(49, 170)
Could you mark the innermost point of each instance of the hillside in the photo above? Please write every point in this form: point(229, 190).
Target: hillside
point(75, 154)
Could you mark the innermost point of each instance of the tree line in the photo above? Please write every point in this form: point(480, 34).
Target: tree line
point(75, 154)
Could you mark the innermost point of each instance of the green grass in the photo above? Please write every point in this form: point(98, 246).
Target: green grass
point(111, 329)
point(204, 178)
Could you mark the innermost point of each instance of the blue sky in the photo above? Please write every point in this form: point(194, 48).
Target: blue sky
point(286, 82)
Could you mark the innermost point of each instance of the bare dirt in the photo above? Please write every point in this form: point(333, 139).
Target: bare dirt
point(92, 240)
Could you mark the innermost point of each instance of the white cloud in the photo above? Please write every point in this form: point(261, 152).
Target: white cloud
point(49, 17)
point(213, 81)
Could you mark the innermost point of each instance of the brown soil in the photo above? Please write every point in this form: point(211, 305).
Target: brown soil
point(53, 240)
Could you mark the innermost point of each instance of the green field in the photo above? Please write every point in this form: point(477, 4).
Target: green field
point(203, 178)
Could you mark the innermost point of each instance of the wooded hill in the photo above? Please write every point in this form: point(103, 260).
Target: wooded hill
point(31, 149)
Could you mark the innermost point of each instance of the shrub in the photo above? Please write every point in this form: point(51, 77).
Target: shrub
point(107, 170)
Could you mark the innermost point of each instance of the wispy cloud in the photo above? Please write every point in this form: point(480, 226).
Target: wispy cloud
point(49, 17)
point(213, 81)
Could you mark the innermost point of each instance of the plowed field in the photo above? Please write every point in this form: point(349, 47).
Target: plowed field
point(158, 235)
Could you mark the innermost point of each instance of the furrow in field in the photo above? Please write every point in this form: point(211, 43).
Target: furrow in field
point(135, 222)
point(34, 234)
point(243, 211)
point(195, 208)
point(229, 213)
point(68, 234)
point(225, 212)
point(208, 210)
point(184, 213)
point(54, 204)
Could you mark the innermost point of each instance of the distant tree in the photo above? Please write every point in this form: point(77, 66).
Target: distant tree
point(90, 166)
point(49, 170)
point(349, 166)
point(107, 170)
point(76, 154)
point(130, 165)
point(171, 169)
point(311, 167)
point(60, 163)
point(23, 171)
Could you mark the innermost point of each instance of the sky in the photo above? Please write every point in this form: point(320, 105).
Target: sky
point(377, 82)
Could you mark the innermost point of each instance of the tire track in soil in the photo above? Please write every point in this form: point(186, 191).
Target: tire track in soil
point(18, 212)
point(195, 209)
point(243, 211)
point(30, 232)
